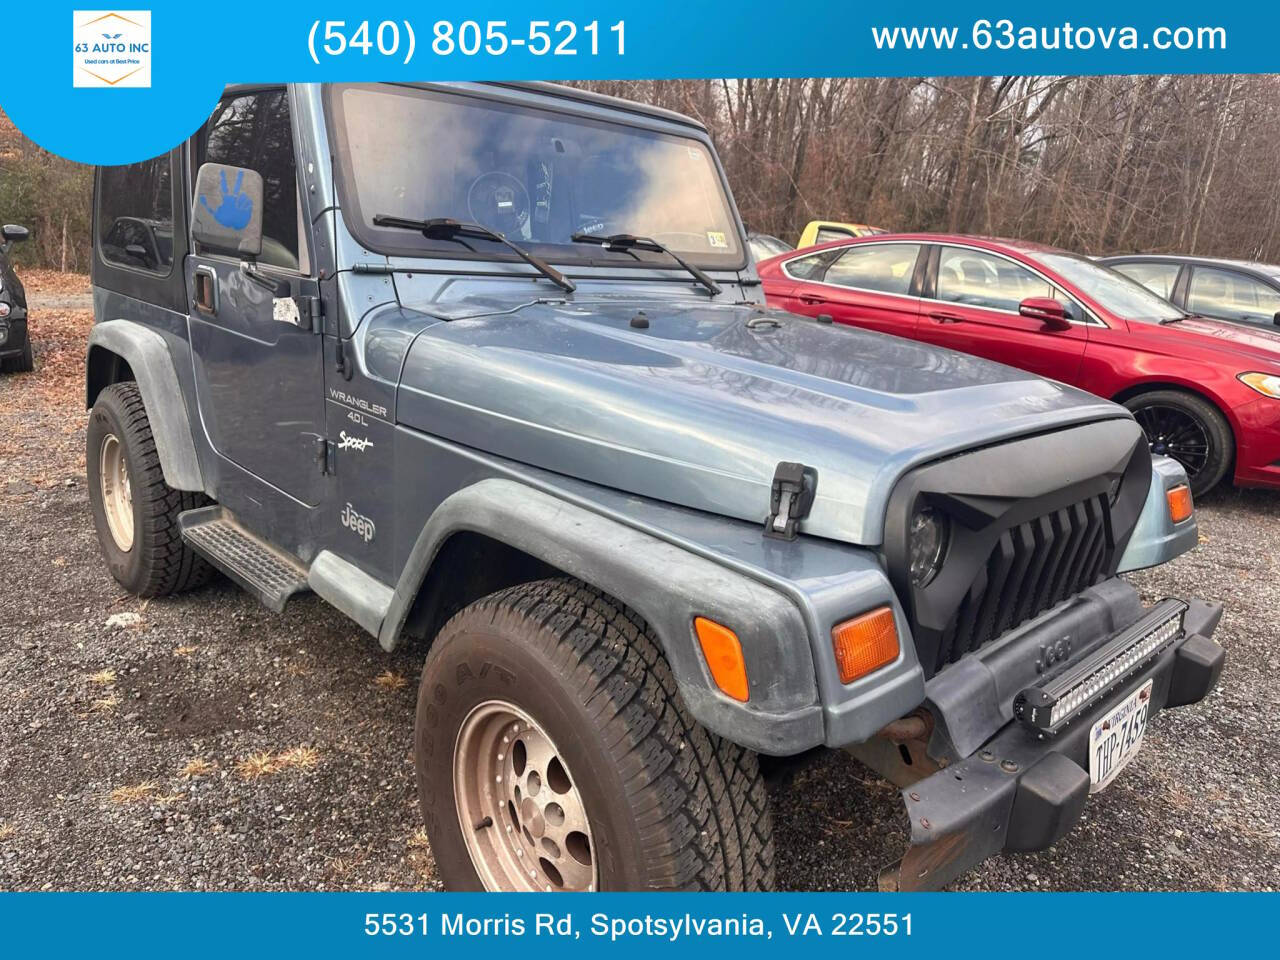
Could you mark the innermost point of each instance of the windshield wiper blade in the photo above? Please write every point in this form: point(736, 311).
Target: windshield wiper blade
point(628, 242)
point(444, 228)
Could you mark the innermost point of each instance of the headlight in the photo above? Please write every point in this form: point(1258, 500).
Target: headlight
point(1267, 384)
point(4, 309)
point(929, 535)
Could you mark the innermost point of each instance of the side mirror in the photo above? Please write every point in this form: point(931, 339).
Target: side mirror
point(1054, 314)
point(226, 214)
point(13, 233)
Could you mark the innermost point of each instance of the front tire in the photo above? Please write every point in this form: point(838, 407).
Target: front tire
point(25, 362)
point(553, 752)
point(134, 510)
point(1189, 429)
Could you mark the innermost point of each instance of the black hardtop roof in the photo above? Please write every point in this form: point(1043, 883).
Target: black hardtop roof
point(557, 90)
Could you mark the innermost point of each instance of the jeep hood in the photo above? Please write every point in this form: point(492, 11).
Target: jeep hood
point(696, 403)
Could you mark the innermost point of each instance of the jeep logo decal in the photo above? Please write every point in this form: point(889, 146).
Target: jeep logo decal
point(1052, 653)
point(360, 525)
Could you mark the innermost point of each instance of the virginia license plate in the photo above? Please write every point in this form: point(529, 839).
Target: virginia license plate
point(1115, 738)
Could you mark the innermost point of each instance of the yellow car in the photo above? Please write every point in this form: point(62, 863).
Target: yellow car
point(824, 231)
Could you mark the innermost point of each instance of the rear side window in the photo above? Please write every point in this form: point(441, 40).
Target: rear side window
point(812, 267)
point(135, 215)
point(253, 131)
point(1228, 295)
point(982, 280)
point(884, 268)
point(827, 234)
point(1159, 278)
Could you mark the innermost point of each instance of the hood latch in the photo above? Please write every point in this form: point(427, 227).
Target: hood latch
point(790, 499)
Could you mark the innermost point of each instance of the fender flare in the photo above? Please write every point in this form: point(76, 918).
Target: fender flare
point(148, 356)
point(665, 584)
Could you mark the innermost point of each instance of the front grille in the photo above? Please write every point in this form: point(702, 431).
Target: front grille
point(1032, 567)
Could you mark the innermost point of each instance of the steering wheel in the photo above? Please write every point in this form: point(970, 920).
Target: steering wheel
point(500, 202)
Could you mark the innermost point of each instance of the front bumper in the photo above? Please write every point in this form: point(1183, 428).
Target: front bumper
point(1258, 449)
point(1020, 792)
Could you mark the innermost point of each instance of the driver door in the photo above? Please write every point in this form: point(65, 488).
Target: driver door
point(974, 309)
point(258, 363)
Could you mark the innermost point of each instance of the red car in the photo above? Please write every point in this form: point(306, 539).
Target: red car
point(1206, 392)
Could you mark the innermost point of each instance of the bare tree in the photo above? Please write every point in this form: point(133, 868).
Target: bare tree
point(1097, 164)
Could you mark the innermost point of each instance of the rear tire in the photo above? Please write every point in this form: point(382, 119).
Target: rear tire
point(23, 363)
point(1189, 429)
point(597, 732)
point(134, 510)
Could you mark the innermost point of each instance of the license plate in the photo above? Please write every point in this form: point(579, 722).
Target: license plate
point(1115, 738)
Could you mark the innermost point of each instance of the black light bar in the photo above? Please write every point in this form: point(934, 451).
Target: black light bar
point(1053, 703)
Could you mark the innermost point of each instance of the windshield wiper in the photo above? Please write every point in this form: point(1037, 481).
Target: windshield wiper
point(443, 228)
point(628, 242)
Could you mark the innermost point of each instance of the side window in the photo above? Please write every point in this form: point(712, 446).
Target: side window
point(885, 268)
point(1159, 278)
point(827, 234)
point(809, 268)
point(979, 279)
point(253, 131)
point(135, 215)
point(1231, 296)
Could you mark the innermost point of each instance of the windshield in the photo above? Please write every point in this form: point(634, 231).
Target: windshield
point(535, 176)
point(1113, 290)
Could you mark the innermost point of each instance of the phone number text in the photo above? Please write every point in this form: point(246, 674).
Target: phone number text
point(398, 40)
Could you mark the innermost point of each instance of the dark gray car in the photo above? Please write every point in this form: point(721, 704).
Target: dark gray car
point(489, 365)
point(1234, 290)
point(16, 355)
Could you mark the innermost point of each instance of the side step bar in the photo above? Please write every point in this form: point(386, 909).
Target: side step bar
point(269, 574)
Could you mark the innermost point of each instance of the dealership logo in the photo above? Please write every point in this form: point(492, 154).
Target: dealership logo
point(112, 48)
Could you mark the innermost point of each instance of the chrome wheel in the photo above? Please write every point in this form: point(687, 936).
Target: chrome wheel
point(117, 494)
point(521, 814)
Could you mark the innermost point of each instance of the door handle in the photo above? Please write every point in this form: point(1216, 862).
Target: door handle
point(946, 318)
point(812, 301)
point(206, 292)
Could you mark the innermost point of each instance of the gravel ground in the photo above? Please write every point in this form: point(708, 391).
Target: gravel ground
point(205, 743)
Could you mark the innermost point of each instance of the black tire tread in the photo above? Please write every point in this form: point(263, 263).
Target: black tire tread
point(174, 566)
point(698, 800)
point(23, 363)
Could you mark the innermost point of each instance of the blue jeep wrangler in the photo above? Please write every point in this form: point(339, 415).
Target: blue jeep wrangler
point(490, 365)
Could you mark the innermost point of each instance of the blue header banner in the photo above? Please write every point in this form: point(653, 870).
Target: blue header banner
point(116, 85)
point(194, 926)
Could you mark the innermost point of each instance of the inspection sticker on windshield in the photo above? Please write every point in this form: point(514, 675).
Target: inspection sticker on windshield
point(1115, 739)
point(717, 239)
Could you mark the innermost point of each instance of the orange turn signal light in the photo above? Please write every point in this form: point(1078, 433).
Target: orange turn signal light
point(865, 643)
point(723, 652)
point(1180, 505)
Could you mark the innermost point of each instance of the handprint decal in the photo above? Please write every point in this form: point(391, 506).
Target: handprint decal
point(236, 208)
